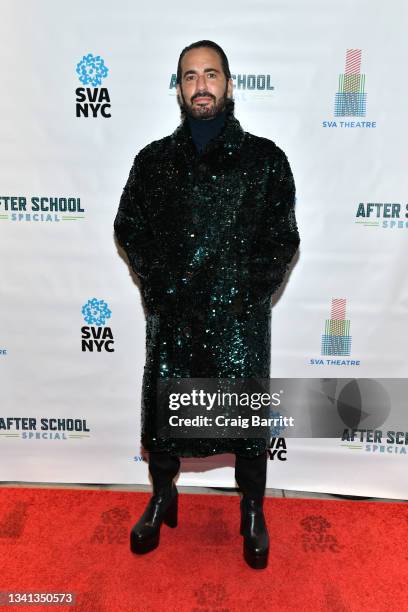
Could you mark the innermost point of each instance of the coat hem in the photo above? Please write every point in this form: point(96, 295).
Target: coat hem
point(206, 447)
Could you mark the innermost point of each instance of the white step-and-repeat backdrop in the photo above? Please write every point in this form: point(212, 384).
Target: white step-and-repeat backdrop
point(85, 85)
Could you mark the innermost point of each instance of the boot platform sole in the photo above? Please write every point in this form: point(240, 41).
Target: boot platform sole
point(256, 561)
point(143, 546)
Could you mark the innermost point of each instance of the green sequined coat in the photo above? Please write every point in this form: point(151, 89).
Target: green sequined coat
point(210, 237)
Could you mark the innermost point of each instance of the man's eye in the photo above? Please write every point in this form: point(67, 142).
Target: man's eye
point(211, 74)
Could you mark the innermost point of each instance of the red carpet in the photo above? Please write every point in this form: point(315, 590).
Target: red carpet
point(325, 555)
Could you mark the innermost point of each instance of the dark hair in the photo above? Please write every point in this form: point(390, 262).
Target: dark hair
point(211, 45)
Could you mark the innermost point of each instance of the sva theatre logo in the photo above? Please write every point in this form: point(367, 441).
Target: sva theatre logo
point(96, 335)
point(350, 100)
point(336, 339)
point(92, 100)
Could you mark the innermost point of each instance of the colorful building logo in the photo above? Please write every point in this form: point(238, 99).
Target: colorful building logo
point(351, 99)
point(336, 339)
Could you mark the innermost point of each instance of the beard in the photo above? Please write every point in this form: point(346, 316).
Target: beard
point(206, 111)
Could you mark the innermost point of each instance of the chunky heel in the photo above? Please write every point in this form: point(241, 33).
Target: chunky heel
point(170, 518)
point(253, 528)
point(162, 508)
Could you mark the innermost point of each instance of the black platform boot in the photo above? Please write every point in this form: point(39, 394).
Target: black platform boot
point(162, 508)
point(250, 474)
point(255, 532)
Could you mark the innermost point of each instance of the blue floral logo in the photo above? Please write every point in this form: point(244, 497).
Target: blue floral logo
point(276, 430)
point(96, 312)
point(91, 70)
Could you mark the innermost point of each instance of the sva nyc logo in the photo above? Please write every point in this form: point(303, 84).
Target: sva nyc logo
point(277, 444)
point(92, 100)
point(96, 335)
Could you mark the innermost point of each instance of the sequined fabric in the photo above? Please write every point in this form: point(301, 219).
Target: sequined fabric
point(210, 236)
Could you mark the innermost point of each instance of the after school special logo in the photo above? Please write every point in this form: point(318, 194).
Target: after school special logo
point(40, 428)
point(373, 413)
point(38, 208)
point(375, 441)
point(336, 339)
point(388, 215)
point(96, 335)
point(92, 100)
point(351, 98)
point(258, 86)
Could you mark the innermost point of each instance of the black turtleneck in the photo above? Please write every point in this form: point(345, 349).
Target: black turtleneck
point(203, 130)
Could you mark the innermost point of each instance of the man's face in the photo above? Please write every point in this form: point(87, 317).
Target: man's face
point(204, 87)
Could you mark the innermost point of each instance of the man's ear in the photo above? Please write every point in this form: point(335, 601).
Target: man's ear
point(230, 88)
point(178, 89)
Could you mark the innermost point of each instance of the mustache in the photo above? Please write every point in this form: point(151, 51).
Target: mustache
point(202, 95)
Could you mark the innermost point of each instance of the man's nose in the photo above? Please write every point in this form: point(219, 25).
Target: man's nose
point(201, 82)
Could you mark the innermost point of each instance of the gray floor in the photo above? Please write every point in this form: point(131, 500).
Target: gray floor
point(195, 490)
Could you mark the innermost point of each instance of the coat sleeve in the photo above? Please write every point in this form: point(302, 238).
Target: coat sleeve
point(131, 226)
point(136, 236)
point(276, 238)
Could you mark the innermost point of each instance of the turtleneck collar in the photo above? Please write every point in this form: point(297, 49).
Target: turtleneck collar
point(204, 130)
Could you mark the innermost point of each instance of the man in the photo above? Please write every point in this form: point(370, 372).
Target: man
point(207, 221)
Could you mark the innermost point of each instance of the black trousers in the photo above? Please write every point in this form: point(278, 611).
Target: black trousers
point(250, 472)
